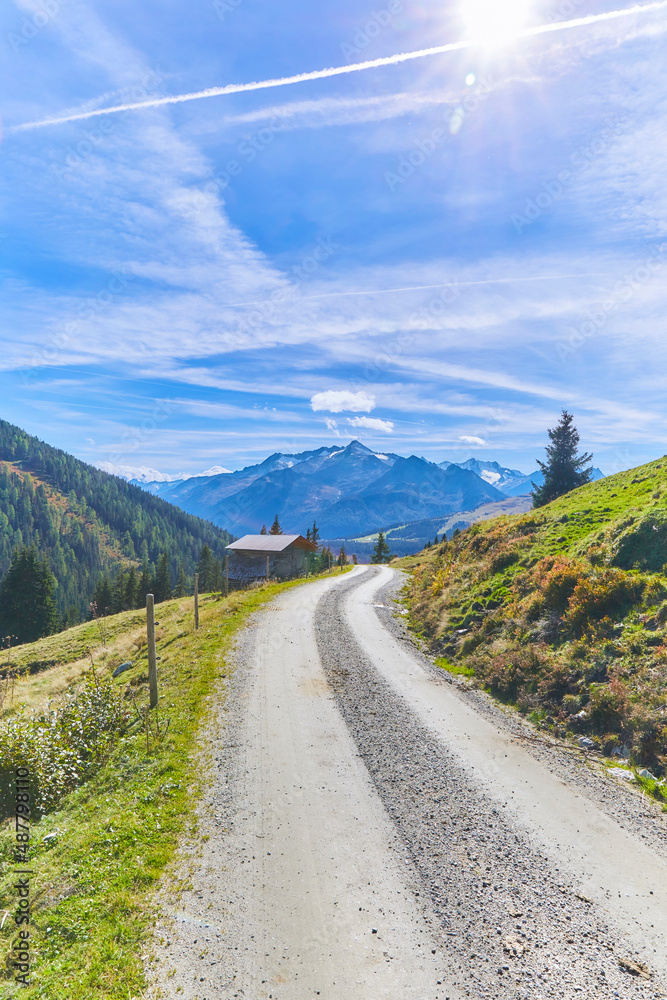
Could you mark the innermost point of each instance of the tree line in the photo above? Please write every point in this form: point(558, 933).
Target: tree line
point(28, 609)
point(86, 525)
point(89, 525)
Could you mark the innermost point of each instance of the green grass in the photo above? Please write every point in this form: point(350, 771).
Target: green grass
point(458, 669)
point(117, 834)
point(561, 610)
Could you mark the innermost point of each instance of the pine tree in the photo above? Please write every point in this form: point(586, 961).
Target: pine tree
point(263, 531)
point(144, 585)
point(564, 469)
point(354, 559)
point(205, 569)
point(179, 589)
point(275, 528)
point(118, 594)
point(162, 581)
point(103, 599)
point(315, 535)
point(381, 552)
point(27, 603)
point(342, 556)
point(131, 584)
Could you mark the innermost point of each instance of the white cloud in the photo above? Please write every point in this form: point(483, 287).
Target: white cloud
point(339, 400)
point(332, 426)
point(215, 470)
point(471, 439)
point(372, 424)
point(141, 472)
point(144, 474)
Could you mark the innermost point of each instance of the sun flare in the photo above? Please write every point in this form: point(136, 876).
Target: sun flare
point(495, 21)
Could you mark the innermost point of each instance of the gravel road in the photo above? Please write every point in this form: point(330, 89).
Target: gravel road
point(373, 831)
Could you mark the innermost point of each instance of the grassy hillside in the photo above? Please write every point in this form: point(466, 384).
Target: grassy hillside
point(98, 852)
point(86, 522)
point(562, 611)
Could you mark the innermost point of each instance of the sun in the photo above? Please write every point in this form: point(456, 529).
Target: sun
point(495, 21)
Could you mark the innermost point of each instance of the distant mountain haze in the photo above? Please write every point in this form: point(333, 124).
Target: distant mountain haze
point(349, 491)
point(511, 482)
point(525, 485)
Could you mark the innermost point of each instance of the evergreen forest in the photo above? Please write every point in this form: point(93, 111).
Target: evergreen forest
point(90, 527)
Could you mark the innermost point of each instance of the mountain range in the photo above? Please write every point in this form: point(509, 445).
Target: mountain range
point(349, 491)
point(511, 482)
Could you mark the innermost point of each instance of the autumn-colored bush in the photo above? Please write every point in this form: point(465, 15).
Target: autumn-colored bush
point(559, 681)
point(608, 706)
point(558, 579)
point(511, 673)
point(609, 592)
point(655, 591)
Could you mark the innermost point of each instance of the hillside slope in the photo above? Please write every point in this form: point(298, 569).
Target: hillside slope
point(86, 522)
point(563, 610)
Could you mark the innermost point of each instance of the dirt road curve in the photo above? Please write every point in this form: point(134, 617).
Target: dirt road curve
point(371, 834)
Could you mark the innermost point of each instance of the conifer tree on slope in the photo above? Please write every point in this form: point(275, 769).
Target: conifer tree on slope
point(381, 552)
point(181, 583)
point(564, 469)
point(162, 581)
point(144, 585)
point(205, 570)
point(27, 604)
point(275, 528)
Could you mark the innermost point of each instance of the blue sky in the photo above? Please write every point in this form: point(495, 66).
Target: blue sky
point(434, 256)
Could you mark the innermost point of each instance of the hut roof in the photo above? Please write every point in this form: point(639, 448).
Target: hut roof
point(266, 544)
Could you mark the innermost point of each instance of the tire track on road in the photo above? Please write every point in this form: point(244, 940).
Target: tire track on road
point(509, 919)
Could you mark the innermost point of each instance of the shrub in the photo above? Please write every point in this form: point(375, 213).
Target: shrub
point(654, 591)
point(503, 557)
point(509, 673)
point(558, 579)
point(650, 742)
point(644, 545)
point(610, 592)
point(534, 608)
point(62, 747)
point(571, 704)
point(608, 706)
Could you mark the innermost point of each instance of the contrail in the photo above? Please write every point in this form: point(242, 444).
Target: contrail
point(321, 74)
point(421, 288)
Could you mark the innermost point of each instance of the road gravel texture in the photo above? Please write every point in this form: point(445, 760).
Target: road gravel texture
point(375, 829)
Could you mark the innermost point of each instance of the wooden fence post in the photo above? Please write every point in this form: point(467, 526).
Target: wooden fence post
point(267, 569)
point(152, 658)
point(226, 575)
point(196, 601)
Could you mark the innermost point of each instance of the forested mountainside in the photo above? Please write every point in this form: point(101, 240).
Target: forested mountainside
point(88, 523)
